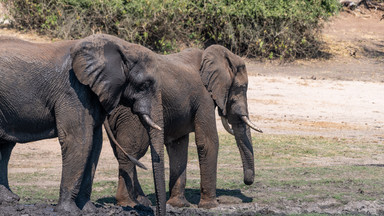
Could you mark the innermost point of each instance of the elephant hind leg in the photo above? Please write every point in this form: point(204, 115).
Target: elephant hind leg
point(129, 191)
point(178, 158)
point(125, 195)
point(140, 196)
point(6, 195)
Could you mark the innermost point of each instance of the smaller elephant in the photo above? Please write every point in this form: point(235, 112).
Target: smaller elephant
point(192, 83)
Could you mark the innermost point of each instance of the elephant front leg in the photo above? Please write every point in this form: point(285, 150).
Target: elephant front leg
point(84, 197)
point(76, 145)
point(6, 195)
point(207, 142)
point(178, 157)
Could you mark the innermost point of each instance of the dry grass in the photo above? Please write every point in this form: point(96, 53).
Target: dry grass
point(290, 168)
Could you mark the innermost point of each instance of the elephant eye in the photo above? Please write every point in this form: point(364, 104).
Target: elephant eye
point(145, 86)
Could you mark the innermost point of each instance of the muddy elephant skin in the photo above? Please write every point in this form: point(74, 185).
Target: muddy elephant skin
point(65, 90)
point(192, 82)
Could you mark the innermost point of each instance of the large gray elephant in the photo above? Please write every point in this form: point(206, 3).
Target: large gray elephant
point(192, 83)
point(65, 90)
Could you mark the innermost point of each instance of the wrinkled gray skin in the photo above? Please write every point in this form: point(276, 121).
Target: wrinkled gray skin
point(65, 90)
point(193, 83)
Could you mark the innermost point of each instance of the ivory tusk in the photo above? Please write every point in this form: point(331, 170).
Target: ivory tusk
point(250, 124)
point(225, 123)
point(149, 121)
point(110, 134)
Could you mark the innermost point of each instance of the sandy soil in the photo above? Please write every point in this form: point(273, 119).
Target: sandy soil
point(337, 97)
point(345, 109)
point(341, 96)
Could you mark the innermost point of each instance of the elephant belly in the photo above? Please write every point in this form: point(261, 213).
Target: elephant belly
point(176, 128)
point(27, 127)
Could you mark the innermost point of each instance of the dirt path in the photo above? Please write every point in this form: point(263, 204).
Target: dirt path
point(345, 109)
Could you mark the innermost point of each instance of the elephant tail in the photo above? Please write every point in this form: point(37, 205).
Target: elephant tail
point(112, 139)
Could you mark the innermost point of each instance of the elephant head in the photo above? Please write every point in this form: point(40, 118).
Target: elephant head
point(116, 71)
point(125, 73)
point(225, 77)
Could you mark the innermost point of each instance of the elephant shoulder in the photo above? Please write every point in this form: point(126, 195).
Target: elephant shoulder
point(190, 56)
point(9, 45)
point(6, 40)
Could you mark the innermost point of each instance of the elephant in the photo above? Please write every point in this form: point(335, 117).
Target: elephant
point(192, 84)
point(66, 89)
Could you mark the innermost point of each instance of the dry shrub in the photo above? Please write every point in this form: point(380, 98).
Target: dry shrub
point(264, 28)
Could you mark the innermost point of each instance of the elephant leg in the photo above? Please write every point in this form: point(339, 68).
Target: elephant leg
point(129, 191)
point(75, 134)
point(135, 142)
point(207, 142)
point(178, 158)
point(6, 195)
point(84, 198)
point(140, 196)
point(125, 195)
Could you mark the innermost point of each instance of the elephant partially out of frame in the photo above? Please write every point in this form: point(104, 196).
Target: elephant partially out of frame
point(192, 83)
point(65, 90)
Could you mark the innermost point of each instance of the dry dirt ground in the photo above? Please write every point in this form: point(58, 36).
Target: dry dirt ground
point(342, 96)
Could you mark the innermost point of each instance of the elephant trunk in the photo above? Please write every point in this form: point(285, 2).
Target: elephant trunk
point(244, 142)
point(159, 178)
point(157, 154)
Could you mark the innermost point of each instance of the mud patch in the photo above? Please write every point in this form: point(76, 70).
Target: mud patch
point(285, 208)
point(48, 210)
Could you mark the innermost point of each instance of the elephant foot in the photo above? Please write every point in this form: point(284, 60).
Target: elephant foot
point(7, 196)
point(125, 202)
point(143, 200)
point(208, 204)
point(178, 201)
point(89, 207)
point(68, 207)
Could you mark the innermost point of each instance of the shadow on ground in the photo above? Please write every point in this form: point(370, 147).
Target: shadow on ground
point(193, 196)
point(376, 50)
point(372, 165)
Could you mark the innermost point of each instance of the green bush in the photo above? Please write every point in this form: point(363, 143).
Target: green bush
point(254, 28)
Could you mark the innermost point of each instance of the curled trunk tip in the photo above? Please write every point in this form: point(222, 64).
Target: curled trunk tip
point(249, 176)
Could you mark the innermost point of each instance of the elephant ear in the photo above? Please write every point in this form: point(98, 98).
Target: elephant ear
point(98, 62)
point(217, 72)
